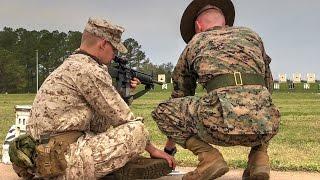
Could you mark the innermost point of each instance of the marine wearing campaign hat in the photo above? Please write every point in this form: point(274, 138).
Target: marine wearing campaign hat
point(232, 65)
point(196, 7)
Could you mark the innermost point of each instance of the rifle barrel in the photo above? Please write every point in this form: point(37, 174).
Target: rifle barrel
point(157, 82)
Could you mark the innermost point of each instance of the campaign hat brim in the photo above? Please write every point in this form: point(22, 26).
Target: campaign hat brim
point(189, 16)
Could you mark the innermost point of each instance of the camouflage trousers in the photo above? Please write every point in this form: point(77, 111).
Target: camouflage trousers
point(94, 156)
point(181, 118)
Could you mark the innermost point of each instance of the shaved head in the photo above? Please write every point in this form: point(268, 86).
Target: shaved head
point(209, 18)
point(89, 39)
point(98, 47)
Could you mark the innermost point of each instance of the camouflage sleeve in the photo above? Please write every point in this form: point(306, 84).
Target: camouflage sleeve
point(96, 87)
point(268, 75)
point(184, 84)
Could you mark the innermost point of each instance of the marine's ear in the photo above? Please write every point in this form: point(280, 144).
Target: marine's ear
point(103, 44)
point(198, 27)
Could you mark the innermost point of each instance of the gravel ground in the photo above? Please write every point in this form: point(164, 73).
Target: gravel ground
point(7, 173)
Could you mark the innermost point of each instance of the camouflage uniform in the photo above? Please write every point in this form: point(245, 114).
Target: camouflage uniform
point(79, 96)
point(228, 116)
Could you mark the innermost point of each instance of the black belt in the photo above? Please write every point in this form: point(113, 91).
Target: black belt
point(235, 79)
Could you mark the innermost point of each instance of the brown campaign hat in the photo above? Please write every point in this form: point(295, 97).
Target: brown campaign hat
point(191, 13)
point(105, 29)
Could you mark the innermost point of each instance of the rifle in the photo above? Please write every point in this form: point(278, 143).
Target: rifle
point(123, 74)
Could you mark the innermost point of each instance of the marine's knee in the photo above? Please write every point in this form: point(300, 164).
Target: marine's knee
point(158, 110)
point(138, 130)
point(161, 112)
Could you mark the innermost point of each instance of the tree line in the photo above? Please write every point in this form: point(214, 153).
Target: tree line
point(18, 57)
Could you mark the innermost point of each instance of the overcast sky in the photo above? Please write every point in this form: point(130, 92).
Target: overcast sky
point(290, 28)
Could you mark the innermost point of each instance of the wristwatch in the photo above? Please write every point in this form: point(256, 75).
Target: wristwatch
point(171, 152)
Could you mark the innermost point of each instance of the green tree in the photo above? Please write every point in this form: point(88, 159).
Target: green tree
point(135, 55)
point(167, 68)
point(52, 51)
point(53, 48)
point(27, 43)
point(12, 75)
point(73, 41)
point(8, 39)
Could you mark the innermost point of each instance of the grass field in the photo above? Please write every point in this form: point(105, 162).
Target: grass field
point(296, 147)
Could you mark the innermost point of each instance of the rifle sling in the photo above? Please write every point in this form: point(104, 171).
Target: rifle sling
point(140, 93)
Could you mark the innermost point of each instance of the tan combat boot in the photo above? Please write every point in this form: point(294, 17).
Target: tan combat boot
point(211, 165)
point(141, 168)
point(246, 172)
point(258, 164)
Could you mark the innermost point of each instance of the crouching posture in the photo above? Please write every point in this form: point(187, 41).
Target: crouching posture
point(80, 127)
point(231, 63)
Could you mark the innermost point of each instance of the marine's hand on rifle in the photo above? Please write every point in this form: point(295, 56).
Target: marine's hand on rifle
point(135, 82)
point(127, 79)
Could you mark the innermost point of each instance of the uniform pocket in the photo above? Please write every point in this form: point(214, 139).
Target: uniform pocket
point(50, 159)
point(248, 110)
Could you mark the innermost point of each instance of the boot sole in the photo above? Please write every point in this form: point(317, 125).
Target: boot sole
point(246, 174)
point(220, 171)
point(217, 169)
point(260, 173)
point(151, 169)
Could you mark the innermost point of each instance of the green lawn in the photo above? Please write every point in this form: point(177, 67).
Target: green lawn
point(296, 147)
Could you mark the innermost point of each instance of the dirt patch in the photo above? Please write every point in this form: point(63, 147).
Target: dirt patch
point(8, 174)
